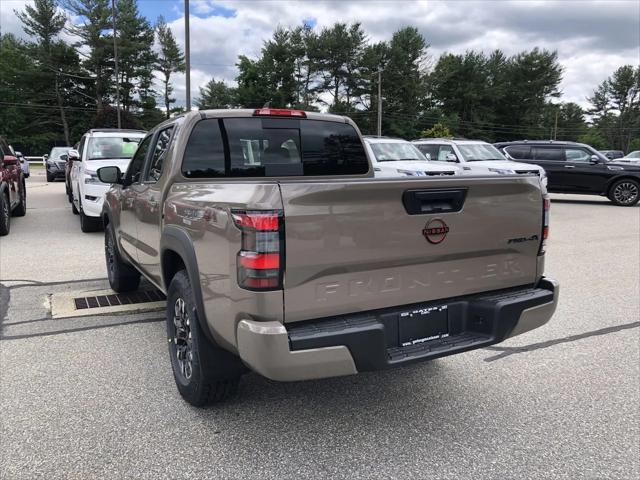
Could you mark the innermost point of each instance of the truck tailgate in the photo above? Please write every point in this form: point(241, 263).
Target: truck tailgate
point(353, 246)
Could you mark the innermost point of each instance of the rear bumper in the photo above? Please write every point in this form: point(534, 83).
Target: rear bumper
point(376, 340)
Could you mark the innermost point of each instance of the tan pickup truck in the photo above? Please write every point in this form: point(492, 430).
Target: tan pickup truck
point(279, 251)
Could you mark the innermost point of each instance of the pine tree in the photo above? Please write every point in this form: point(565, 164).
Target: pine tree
point(216, 95)
point(169, 61)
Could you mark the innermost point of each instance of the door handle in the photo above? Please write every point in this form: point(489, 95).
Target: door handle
point(569, 166)
point(421, 202)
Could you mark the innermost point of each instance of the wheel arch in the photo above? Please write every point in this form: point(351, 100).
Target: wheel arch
point(616, 179)
point(176, 251)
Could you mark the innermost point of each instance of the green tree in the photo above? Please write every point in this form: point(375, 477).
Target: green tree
point(216, 94)
point(616, 107)
point(136, 59)
point(43, 22)
point(593, 138)
point(439, 130)
point(170, 60)
point(94, 20)
point(403, 82)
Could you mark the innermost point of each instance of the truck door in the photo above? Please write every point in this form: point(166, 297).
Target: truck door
point(148, 205)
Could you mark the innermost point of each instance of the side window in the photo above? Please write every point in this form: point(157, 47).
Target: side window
point(519, 152)
point(158, 155)
point(548, 153)
point(431, 150)
point(204, 155)
point(444, 151)
point(577, 155)
point(137, 162)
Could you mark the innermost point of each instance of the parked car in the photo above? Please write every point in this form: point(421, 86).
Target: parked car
point(55, 163)
point(24, 164)
point(631, 157)
point(98, 148)
point(475, 156)
point(612, 154)
point(67, 171)
point(13, 191)
point(578, 168)
point(284, 254)
point(394, 157)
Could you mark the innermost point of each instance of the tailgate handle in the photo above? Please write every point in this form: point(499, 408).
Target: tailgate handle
point(422, 202)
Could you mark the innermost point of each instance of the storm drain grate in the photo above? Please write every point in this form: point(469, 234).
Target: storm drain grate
point(143, 296)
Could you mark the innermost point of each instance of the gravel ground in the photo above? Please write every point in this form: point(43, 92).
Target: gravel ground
point(93, 397)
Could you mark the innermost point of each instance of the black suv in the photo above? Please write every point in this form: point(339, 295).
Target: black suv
point(578, 168)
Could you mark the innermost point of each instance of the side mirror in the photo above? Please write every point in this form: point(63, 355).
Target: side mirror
point(110, 175)
point(45, 156)
point(594, 159)
point(73, 155)
point(451, 157)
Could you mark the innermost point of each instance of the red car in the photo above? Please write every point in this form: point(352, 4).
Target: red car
point(13, 193)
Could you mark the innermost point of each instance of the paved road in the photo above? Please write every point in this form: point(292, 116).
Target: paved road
point(93, 397)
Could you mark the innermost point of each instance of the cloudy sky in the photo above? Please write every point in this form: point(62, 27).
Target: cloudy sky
point(592, 38)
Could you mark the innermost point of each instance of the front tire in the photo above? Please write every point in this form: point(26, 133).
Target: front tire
point(625, 192)
point(50, 178)
point(122, 276)
point(89, 224)
point(203, 372)
point(5, 216)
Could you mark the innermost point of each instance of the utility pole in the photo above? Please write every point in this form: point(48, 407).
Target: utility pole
point(115, 59)
point(187, 54)
point(379, 101)
point(555, 128)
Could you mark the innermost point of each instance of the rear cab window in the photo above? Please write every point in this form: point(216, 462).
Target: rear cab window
point(272, 147)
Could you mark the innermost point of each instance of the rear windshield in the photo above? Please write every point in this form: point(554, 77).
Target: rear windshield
point(272, 147)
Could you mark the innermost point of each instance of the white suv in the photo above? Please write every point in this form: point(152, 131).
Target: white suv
point(475, 156)
point(98, 148)
point(394, 157)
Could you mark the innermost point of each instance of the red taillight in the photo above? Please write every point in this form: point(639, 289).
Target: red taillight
point(546, 207)
point(260, 261)
point(279, 112)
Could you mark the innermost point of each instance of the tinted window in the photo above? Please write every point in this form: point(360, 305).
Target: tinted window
point(204, 155)
point(519, 152)
point(577, 155)
point(330, 148)
point(263, 147)
point(548, 153)
point(135, 167)
point(158, 154)
point(258, 147)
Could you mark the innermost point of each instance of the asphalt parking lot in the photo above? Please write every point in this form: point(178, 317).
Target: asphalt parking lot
point(93, 397)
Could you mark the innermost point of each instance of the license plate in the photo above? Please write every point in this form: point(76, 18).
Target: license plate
point(423, 325)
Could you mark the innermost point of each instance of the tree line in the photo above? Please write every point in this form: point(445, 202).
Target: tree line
point(51, 91)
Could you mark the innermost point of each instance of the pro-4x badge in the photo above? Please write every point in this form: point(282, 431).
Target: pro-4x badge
point(435, 231)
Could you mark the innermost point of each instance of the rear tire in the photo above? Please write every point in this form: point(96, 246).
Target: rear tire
point(204, 373)
point(625, 192)
point(21, 208)
point(5, 217)
point(122, 276)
